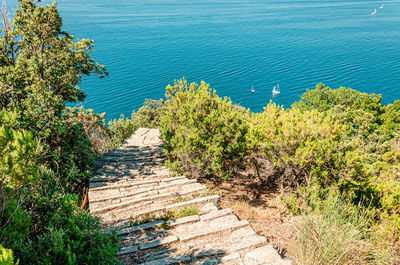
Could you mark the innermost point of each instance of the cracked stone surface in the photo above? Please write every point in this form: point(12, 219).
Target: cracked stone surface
point(132, 185)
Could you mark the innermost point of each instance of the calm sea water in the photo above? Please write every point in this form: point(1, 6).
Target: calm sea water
point(146, 44)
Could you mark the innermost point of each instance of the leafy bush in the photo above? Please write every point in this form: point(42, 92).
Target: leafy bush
point(202, 133)
point(18, 177)
point(371, 165)
point(94, 127)
point(6, 256)
point(41, 68)
point(46, 151)
point(300, 145)
point(67, 235)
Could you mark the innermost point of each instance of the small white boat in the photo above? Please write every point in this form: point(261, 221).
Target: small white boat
point(381, 7)
point(252, 89)
point(276, 90)
point(374, 12)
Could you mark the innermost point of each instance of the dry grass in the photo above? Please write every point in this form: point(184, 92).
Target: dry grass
point(337, 233)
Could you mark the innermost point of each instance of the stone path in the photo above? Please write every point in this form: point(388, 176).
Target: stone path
point(134, 193)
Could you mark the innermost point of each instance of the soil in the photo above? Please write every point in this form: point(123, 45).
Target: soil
point(262, 207)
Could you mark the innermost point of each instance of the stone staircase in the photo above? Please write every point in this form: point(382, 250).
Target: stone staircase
point(162, 219)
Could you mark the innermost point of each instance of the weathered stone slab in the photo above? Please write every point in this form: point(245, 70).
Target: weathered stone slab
point(139, 227)
point(211, 229)
point(208, 207)
point(132, 201)
point(250, 241)
point(193, 189)
point(265, 255)
point(208, 253)
point(127, 250)
point(158, 242)
point(104, 195)
point(170, 260)
point(196, 201)
point(183, 220)
point(215, 214)
point(233, 256)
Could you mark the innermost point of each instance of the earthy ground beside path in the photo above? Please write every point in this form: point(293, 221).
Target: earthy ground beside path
point(164, 219)
point(261, 206)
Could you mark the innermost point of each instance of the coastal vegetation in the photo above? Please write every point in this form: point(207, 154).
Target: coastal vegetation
point(337, 151)
point(46, 151)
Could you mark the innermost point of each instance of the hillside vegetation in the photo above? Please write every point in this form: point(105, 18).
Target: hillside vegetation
point(337, 150)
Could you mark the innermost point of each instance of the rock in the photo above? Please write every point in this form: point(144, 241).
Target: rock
point(265, 255)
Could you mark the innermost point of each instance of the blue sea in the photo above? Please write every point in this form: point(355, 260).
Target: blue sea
point(234, 45)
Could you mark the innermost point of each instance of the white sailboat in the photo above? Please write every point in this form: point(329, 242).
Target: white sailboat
point(381, 7)
point(374, 12)
point(252, 89)
point(276, 90)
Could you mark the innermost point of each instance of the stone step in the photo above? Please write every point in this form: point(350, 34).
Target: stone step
point(135, 151)
point(212, 247)
point(132, 158)
point(116, 197)
point(174, 237)
point(204, 228)
point(170, 223)
point(132, 202)
point(238, 241)
point(114, 174)
point(124, 148)
point(134, 183)
point(156, 210)
point(126, 166)
point(264, 255)
point(132, 229)
point(170, 260)
point(130, 192)
point(223, 248)
point(138, 185)
point(114, 162)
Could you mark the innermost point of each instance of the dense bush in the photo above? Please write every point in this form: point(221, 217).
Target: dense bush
point(46, 149)
point(6, 256)
point(300, 145)
point(202, 133)
point(373, 160)
point(65, 235)
point(338, 140)
point(94, 128)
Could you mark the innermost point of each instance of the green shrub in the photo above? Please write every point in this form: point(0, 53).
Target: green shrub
point(149, 115)
point(67, 235)
point(301, 145)
point(46, 150)
point(94, 127)
point(6, 256)
point(19, 178)
point(202, 133)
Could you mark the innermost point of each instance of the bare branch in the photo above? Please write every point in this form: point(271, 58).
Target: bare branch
point(19, 204)
point(5, 19)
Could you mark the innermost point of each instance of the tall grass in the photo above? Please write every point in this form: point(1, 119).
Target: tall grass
point(337, 232)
